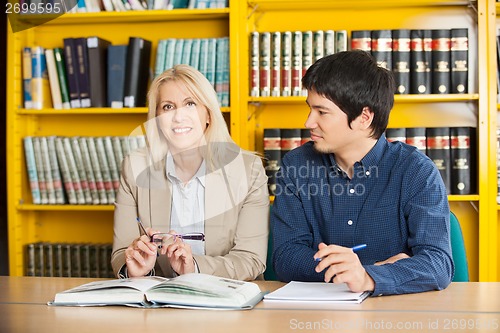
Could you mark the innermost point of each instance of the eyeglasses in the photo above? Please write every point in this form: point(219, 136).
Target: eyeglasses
point(162, 238)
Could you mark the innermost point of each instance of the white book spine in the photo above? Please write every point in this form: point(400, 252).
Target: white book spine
point(87, 164)
point(265, 64)
point(296, 63)
point(49, 182)
point(110, 155)
point(307, 55)
point(96, 167)
point(211, 60)
point(31, 169)
point(318, 45)
point(40, 171)
point(275, 63)
point(106, 174)
point(66, 175)
point(73, 170)
point(329, 42)
point(286, 63)
point(254, 64)
point(117, 150)
point(56, 171)
point(77, 153)
point(55, 89)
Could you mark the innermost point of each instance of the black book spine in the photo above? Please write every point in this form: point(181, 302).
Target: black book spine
point(290, 139)
point(136, 72)
point(361, 40)
point(117, 58)
point(401, 60)
point(438, 150)
point(97, 51)
point(462, 163)
point(418, 66)
point(395, 134)
point(441, 77)
point(83, 71)
point(381, 44)
point(415, 136)
point(272, 153)
point(305, 135)
point(71, 72)
point(459, 61)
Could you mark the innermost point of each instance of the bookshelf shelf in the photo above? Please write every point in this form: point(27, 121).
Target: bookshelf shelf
point(91, 208)
point(127, 17)
point(95, 111)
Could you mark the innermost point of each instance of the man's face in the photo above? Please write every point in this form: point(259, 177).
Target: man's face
point(328, 124)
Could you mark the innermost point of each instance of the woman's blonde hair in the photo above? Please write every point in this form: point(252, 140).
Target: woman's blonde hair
point(216, 135)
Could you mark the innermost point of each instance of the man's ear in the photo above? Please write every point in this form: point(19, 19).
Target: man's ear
point(365, 118)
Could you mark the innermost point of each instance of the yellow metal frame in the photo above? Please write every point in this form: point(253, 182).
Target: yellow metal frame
point(249, 116)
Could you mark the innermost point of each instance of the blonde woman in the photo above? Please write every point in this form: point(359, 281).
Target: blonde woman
point(193, 201)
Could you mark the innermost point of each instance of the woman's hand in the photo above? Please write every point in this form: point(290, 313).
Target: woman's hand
point(140, 256)
point(180, 256)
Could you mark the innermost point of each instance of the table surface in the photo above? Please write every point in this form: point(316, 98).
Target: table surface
point(462, 307)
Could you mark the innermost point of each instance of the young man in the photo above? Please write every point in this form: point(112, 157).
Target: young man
point(350, 186)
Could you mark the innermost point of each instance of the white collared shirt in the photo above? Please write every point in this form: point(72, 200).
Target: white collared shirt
point(188, 204)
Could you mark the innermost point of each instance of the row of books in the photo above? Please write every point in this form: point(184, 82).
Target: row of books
point(76, 170)
point(68, 260)
point(91, 72)
point(278, 60)
point(84, 6)
point(209, 55)
point(429, 61)
point(452, 149)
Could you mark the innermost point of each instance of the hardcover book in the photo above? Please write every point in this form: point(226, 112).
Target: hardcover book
point(201, 291)
point(441, 77)
point(438, 150)
point(137, 72)
point(71, 72)
point(401, 60)
point(396, 134)
point(459, 61)
point(415, 136)
point(265, 64)
point(296, 70)
point(83, 74)
point(97, 59)
point(275, 63)
point(117, 58)
point(381, 46)
point(462, 160)
point(361, 40)
point(286, 63)
point(420, 61)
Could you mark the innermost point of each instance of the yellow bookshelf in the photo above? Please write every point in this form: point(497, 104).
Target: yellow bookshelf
point(248, 116)
point(86, 223)
point(470, 109)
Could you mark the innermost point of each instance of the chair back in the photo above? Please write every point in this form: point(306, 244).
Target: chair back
point(458, 251)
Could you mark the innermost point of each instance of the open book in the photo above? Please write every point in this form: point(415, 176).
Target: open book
point(185, 291)
point(316, 292)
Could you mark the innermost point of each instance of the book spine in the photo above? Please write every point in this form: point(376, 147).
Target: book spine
point(305, 136)
point(87, 165)
point(124, 142)
point(340, 41)
point(272, 153)
point(265, 64)
point(27, 74)
point(415, 136)
point(58, 264)
point(179, 46)
point(117, 150)
point(30, 260)
point(329, 42)
point(117, 57)
point(427, 39)
point(39, 259)
point(40, 86)
point(307, 54)
point(160, 57)
point(186, 51)
point(203, 56)
point(96, 168)
point(254, 64)
point(318, 45)
point(441, 77)
point(194, 59)
point(113, 165)
point(71, 72)
point(381, 45)
point(77, 153)
point(219, 69)
point(48, 254)
point(296, 71)
point(82, 65)
point(136, 72)
point(65, 172)
point(169, 53)
point(55, 89)
point(56, 171)
point(78, 185)
point(42, 184)
point(106, 173)
point(29, 153)
point(418, 65)
point(438, 150)
point(361, 40)
point(211, 60)
point(286, 64)
point(461, 160)
point(97, 56)
point(61, 74)
point(395, 134)
point(401, 60)
point(290, 139)
point(47, 169)
point(275, 63)
point(459, 61)
point(225, 73)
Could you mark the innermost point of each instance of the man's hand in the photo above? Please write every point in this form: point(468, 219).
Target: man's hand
point(343, 265)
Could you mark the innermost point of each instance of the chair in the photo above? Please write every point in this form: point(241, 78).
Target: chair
point(458, 251)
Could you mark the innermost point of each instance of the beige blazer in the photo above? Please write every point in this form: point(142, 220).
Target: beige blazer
point(236, 215)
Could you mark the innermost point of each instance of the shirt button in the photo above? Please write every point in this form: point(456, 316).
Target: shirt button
point(351, 190)
point(367, 173)
point(349, 222)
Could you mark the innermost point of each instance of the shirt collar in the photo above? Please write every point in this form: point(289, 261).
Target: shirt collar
point(171, 175)
point(372, 158)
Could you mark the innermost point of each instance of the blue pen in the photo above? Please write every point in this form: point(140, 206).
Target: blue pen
point(354, 248)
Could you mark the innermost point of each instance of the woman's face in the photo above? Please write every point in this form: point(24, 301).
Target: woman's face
point(180, 118)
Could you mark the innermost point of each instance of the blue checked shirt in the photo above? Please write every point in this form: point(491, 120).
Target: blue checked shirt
point(396, 202)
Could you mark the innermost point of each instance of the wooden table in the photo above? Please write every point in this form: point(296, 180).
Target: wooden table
point(462, 307)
